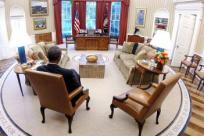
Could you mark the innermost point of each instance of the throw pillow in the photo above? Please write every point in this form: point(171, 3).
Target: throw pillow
point(37, 48)
point(134, 48)
point(140, 55)
point(139, 48)
point(42, 45)
point(127, 47)
point(47, 46)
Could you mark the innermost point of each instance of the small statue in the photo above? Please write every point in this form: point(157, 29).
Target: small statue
point(136, 30)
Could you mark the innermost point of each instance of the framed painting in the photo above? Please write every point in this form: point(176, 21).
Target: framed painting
point(38, 7)
point(140, 17)
point(39, 23)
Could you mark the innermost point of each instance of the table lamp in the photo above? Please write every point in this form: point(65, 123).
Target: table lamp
point(161, 40)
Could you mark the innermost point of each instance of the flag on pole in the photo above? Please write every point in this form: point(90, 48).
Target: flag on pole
point(76, 22)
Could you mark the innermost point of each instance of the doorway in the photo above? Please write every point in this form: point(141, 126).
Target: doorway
point(185, 32)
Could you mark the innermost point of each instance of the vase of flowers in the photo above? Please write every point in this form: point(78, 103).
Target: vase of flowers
point(161, 58)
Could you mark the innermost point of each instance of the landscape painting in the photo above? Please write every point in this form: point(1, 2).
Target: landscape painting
point(140, 17)
point(39, 23)
point(39, 7)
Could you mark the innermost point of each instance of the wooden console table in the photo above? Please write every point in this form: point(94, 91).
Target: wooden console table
point(135, 38)
point(91, 42)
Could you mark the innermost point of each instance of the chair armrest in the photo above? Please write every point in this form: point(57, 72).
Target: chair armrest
point(121, 99)
point(139, 98)
point(201, 66)
point(75, 92)
point(187, 56)
point(155, 85)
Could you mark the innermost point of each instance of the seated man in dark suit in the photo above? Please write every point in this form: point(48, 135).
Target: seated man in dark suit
point(71, 77)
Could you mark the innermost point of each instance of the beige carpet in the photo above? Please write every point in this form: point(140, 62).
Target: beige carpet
point(25, 112)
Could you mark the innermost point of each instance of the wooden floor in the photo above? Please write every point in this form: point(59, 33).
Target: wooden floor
point(196, 124)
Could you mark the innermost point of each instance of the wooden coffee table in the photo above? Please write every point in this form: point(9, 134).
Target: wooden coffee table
point(91, 70)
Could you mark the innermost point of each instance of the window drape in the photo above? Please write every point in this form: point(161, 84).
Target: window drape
point(123, 20)
point(58, 20)
point(81, 7)
point(102, 8)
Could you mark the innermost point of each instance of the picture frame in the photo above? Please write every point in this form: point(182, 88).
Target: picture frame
point(140, 17)
point(39, 7)
point(39, 23)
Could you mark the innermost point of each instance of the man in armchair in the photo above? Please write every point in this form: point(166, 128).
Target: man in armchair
point(71, 77)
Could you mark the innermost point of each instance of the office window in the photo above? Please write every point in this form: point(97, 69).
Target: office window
point(91, 15)
point(115, 18)
point(19, 35)
point(66, 18)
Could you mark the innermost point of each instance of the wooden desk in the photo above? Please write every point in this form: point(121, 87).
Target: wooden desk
point(91, 42)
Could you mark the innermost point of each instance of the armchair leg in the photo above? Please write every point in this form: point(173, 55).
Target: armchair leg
point(87, 103)
point(42, 110)
point(70, 119)
point(199, 84)
point(180, 67)
point(158, 114)
point(187, 70)
point(140, 126)
point(193, 77)
point(112, 111)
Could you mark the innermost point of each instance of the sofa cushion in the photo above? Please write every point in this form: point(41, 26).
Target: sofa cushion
point(151, 54)
point(118, 53)
point(64, 60)
point(128, 47)
point(126, 56)
point(37, 48)
point(147, 48)
point(47, 46)
point(140, 55)
point(42, 45)
point(129, 63)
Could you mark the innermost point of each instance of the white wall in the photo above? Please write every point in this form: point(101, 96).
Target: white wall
point(151, 6)
point(29, 20)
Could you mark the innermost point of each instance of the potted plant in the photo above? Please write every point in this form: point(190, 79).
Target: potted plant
point(161, 58)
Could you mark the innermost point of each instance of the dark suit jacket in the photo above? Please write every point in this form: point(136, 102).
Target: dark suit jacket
point(71, 77)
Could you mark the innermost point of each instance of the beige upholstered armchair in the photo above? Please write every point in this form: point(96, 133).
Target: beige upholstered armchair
point(140, 104)
point(55, 96)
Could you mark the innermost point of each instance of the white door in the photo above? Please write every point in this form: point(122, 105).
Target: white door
point(184, 38)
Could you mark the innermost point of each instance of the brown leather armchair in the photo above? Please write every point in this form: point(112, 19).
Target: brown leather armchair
point(52, 93)
point(140, 104)
point(192, 63)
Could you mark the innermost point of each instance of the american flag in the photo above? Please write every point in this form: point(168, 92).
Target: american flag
point(76, 22)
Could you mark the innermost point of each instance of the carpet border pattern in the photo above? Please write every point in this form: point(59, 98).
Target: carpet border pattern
point(177, 127)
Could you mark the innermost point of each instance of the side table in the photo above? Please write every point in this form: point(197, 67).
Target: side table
point(145, 67)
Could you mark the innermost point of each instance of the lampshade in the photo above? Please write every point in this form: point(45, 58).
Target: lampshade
point(161, 39)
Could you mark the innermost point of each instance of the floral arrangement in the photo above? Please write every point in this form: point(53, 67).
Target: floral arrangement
point(161, 57)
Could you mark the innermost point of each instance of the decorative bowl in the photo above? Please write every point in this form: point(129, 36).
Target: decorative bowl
point(92, 58)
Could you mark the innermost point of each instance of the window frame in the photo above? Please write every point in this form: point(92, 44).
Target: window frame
point(116, 21)
point(91, 19)
point(68, 18)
